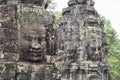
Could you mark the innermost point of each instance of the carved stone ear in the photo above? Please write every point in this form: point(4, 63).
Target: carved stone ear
point(9, 39)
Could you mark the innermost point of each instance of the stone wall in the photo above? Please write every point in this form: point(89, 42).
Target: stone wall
point(82, 43)
point(26, 25)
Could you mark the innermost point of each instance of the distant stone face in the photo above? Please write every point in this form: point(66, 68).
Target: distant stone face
point(82, 47)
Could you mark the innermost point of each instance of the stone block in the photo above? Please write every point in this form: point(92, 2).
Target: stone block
point(7, 71)
point(28, 71)
point(10, 56)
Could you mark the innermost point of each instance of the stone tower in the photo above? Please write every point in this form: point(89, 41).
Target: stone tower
point(82, 46)
point(27, 40)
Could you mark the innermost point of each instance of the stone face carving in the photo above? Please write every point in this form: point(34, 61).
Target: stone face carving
point(82, 42)
point(24, 34)
point(32, 33)
point(31, 48)
point(32, 43)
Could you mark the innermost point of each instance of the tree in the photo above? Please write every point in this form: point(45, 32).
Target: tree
point(58, 15)
point(113, 49)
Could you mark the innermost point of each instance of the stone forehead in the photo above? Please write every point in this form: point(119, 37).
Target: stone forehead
point(39, 29)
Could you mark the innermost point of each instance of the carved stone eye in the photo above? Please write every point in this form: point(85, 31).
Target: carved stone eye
point(28, 38)
point(42, 37)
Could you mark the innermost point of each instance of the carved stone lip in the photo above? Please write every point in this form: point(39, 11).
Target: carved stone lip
point(35, 50)
point(37, 58)
point(36, 54)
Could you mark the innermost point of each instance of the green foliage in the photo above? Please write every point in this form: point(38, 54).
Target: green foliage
point(113, 48)
point(106, 22)
point(58, 15)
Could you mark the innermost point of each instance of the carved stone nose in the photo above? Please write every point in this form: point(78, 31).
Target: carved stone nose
point(96, 52)
point(35, 44)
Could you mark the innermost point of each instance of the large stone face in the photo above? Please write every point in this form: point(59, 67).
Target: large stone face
point(24, 34)
point(32, 31)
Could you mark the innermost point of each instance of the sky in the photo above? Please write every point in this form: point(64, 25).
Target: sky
point(110, 9)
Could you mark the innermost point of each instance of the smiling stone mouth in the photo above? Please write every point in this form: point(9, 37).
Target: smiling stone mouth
point(35, 50)
point(35, 53)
